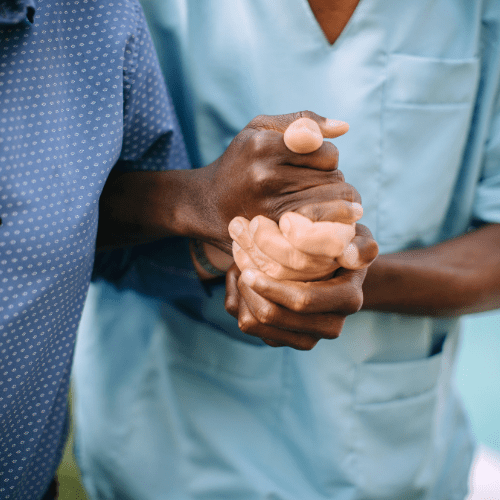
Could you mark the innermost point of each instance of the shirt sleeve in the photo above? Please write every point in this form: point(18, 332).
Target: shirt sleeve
point(152, 140)
point(486, 206)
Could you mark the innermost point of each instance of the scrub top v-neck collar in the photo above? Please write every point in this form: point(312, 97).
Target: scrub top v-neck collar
point(317, 30)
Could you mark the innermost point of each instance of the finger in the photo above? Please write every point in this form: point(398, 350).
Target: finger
point(251, 325)
point(361, 252)
point(272, 344)
point(232, 292)
point(303, 136)
point(325, 158)
point(242, 259)
point(299, 192)
point(342, 293)
point(267, 144)
point(276, 270)
point(238, 230)
point(328, 193)
point(268, 314)
point(334, 211)
point(247, 254)
point(266, 235)
point(324, 238)
point(329, 128)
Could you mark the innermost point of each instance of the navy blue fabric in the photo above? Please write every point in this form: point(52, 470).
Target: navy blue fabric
point(80, 92)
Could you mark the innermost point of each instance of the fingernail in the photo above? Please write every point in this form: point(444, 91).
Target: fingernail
point(336, 123)
point(350, 256)
point(358, 210)
point(236, 227)
point(248, 276)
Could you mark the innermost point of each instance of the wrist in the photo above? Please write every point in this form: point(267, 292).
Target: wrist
point(209, 261)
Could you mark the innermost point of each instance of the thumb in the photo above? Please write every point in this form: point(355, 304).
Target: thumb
point(329, 128)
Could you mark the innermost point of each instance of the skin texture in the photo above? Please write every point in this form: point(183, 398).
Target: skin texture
point(300, 249)
point(306, 135)
point(298, 253)
point(296, 313)
point(283, 262)
point(311, 252)
point(457, 277)
point(257, 175)
point(288, 263)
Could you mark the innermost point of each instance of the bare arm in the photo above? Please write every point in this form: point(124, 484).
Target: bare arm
point(257, 174)
point(456, 277)
point(459, 276)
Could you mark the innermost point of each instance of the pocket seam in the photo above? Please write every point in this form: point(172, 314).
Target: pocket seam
point(440, 67)
point(395, 381)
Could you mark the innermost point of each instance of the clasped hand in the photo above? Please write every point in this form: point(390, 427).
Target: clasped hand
point(291, 297)
point(296, 282)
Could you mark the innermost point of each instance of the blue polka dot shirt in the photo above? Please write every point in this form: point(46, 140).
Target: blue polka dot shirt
point(81, 92)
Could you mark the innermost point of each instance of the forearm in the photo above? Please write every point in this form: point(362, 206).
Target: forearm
point(141, 207)
point(460, 276)
point(256, 175)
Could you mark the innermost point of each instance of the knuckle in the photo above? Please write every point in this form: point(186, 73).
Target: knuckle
point(302, 301)
point(266, 314)
point(231, 307)
point(257, 121)
point(334, 328)
point(298, 261)
point(262, 177)
point(304, 344)
point(273, 269)
point(307, 114)
point(371, 251)
point(353, 301)
point(313, 212)
point(332, 334)
point(348, 193)
point(331, 150)
point(259, 143)
point(247, 323)
point(272, 343)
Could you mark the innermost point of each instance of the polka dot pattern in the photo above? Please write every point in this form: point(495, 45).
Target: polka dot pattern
point(80, 92)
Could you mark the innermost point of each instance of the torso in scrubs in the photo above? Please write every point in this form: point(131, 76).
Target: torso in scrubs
point(173, 401)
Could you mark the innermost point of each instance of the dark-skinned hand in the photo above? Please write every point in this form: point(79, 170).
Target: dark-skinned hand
point(256, 175)
point(294, 313)
point(259, 175)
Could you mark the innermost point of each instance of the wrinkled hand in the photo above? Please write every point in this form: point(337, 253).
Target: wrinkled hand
point(299, 249)
point(259, 175)
point(295, 313)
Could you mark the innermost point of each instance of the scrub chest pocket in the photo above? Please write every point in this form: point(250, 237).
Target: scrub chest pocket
point(427, 110)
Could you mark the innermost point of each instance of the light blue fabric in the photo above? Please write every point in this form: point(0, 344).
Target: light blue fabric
point(172, 400)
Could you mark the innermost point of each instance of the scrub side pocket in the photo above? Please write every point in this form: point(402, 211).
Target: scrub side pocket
point(395, 405)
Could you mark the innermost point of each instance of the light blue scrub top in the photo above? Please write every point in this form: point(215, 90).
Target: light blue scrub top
point(172, 400)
